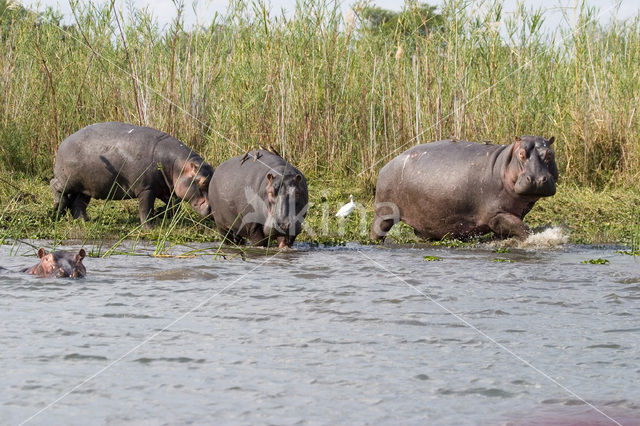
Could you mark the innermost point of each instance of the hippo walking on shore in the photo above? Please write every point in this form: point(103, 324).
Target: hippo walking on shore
point(59, 264)
point(120, 161)
point(462, 189)
point(259, 197)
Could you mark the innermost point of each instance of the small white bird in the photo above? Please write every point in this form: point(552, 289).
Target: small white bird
point(347, 209)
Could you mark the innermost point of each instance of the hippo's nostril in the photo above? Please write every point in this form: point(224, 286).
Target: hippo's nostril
point(528, 179)
point(543, 179)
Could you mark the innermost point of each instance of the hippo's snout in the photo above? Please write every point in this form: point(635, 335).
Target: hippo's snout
point(202, 206)
point(541, 185)
point(205, 210)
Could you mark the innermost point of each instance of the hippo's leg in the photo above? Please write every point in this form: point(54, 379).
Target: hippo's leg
point(386, 215)
point(145, 206)
point(230, 237)
point(79, 203)
point(61, 203)
point(507, 225)
point(60, 199)
point(169, 209)
point(257, 238)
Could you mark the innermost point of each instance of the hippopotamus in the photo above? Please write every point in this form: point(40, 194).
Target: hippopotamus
point(258, 197)
point(462, 189)
point(59, 264)
point(120, 161)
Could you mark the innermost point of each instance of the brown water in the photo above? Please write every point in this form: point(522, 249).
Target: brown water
point(348, 335)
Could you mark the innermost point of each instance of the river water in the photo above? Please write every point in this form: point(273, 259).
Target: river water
point(342, 335)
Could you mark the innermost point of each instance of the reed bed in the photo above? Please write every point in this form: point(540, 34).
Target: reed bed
point(334, 95)
point(335, 98)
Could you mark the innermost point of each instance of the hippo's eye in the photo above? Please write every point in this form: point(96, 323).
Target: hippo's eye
point(522, 155)
point(203, 183)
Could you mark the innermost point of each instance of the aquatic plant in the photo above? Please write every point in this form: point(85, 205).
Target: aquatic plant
point(432, 258)
point(629, 252)
point(598, 261)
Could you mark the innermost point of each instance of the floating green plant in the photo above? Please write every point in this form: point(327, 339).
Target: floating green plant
point(629, 252)
point(598, 261)
point(432, 259)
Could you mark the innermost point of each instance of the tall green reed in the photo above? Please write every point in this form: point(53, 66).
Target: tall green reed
point(335, 100)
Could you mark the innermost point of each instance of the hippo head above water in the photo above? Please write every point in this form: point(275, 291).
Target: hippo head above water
point(286, 205)
point(532, 170)
point(191, 184)
point(59, 264)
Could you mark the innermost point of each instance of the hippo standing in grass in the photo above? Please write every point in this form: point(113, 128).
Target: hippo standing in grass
point(120, 161)
point(259, 197)
point(461, 189)
point(59, 264)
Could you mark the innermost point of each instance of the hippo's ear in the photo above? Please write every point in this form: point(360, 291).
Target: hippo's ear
point(41, 253)
point(551, 140)
point(81, 254)
point(298, 179)
point(271, 191)
point(516, 145)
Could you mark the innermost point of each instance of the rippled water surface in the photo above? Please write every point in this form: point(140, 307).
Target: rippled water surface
point(348, 335)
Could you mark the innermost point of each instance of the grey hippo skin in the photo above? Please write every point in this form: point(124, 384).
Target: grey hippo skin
point(120, 161)
point(59, 264)
point(258, 197)
point(462, 189)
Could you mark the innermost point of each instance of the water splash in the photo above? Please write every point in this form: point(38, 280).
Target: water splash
point(547, 237)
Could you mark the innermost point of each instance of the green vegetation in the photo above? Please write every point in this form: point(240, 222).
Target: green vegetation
point(502, 260)
point(598, 261)
point(338, 99)
point(432, 259)
point(414, 22)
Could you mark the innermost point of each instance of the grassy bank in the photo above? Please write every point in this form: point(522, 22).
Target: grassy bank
point(337, 97)
point(589, 217)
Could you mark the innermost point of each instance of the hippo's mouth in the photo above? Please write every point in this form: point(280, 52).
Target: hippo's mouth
point(283, 242)
point(283, 237)
point(540, 187)
point(202, 207)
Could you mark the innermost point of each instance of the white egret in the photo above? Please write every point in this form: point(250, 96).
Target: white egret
point(347, 209)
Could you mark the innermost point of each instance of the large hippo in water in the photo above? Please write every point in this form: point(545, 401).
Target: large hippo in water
point(462, 189)
point(259, 197)
point(59, 264)
point(120, 161)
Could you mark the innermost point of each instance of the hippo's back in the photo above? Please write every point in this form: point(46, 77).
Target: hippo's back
point(442, 155)
point(92, 159)
point(435, 165)
point(113, 140)
point(236, 177)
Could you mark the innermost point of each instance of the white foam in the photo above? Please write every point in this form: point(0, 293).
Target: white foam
point(549, 237)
